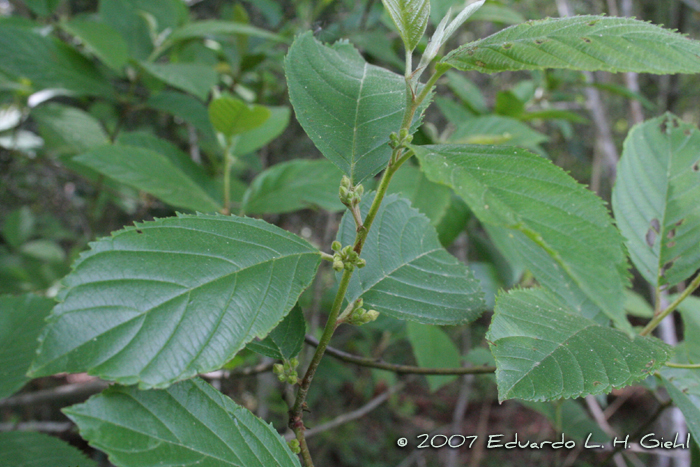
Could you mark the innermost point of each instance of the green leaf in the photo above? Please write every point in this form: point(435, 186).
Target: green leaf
point(102, 40)
point(498, 14)
point(21, 321)
point(581, 43)
point(453, 222)
point(168, 299)
point(687, 401)
point(49, 63)
point(187, 424)
point(18, 226)
point(209, 28)
point(433, 348)
point(294, 185)
point(346, 106)
point(513, 188)
point(150, 171)
point(498, 130)
point(189, 77)
point(44, 250)
point(575, 421)
point(132, 17)
point(467, 92)
point(30, 449)
point(185, 107)
point(408, 274)
point(427, 197)
point(636, 305)
point(256, 138)
point(68, 130)
point(655, 199)
point(411, 19)
point(42, 7)
point(545, 351)
point(286, 340)
point(231, 116)
point(690, 311)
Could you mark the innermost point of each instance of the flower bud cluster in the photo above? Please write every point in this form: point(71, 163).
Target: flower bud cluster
point(294, 446)
point(350, 195)
point(359, 316)
point(346, 258)
point(287, 371)
point(402, 139)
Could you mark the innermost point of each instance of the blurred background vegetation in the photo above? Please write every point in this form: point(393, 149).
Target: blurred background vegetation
point(96, 97)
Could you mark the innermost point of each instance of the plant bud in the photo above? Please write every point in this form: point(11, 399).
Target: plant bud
point(292, 379)
point(294, 362)
point(278, 368)
point(359, 190)
point(345, 182)
point(294, 446)
point(403, 134)
point(371, 315)
point(336, 246)
point(361, 263)
point(338, 266)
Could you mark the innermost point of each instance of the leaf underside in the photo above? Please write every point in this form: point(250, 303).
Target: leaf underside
point(409, 275)
point(286, 340)
point(515, 189)
point(587, 43)
point(165, 300)
point(346, 106)
point(190, 423)
point(655, 199)
point(411, 18)
point(545, 351)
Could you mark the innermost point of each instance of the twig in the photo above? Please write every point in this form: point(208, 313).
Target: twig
point(643, 428)
point(599, 417)
point(660, 317)
point(45, 427)
point(350, 416)
point(400, 369)
point(65, 392)
point(240, 371)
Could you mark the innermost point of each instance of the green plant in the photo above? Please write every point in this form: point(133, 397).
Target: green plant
point(156, 304)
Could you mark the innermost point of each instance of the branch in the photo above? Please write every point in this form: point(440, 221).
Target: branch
point(66, 392)
point(350, 416)
point(400, 369)
point(45, 427)
point(660, 317)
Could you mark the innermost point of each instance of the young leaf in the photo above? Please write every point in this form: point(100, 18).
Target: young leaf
point(21, 321)
point(545, 351)
point(518, 190)
point(411, 19)
point(346, 106)
point(294, 185)
point(408, 274)
point(168, 299)
point(427, 197)
point(655, 199)
point(42, 7)
point(190, 423)
point(231, 116)
point(30, 449)
point(49, 63)
point(189, 77)
point(581, 43)
point(286, 340)
point(102, 40)
point(150, 171)
point(433, 348)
